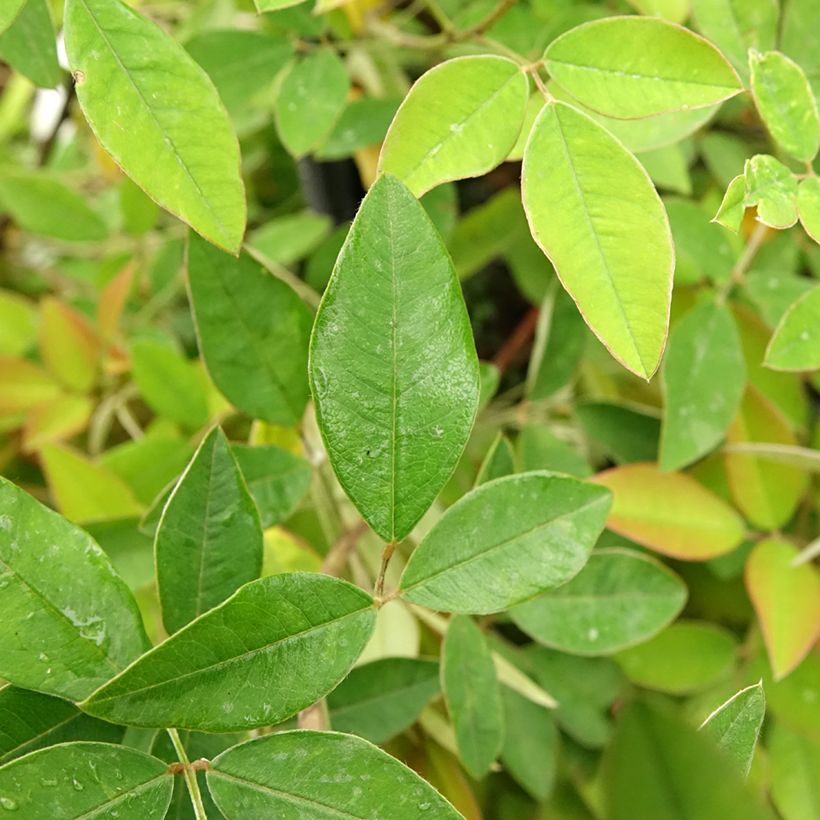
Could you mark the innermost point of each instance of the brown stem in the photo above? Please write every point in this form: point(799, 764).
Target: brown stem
point(517, 340)
point(387, 554)
point(337, 556)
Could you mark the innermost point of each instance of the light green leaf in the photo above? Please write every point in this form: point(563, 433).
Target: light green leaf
point(9, 11)
point(631, 67)
point(626, 433)
point(85, 780)
point(18, 323)
point(735, 725)
point(173, 139)
point(786, 103)
point(704, 376)
point(290, 238)
point(273, 648)
point(668, 168)
point(473, 695)
point(69, 622)
point(156, 365)
point(733, 207)
point(29, 45)
point(277, 479)
point(379, 700)
point(795, 344)
point(702, 250)
point(619, 598)
point(275, 5)
point(799, 37)
point(310, 100)
point(772, 187)
point(209, 540)
point(685, 657)
point(321, 776)
point(393, 367)
point(506, 541)
point(794, 763)
point(675, 11)
point(363, 123)
point(613, 255)
point(42, 205)
point(459, 120)
point(30, 721)
point(735, 26)
point(499, 461)
point(253, 333)
point(808, 206)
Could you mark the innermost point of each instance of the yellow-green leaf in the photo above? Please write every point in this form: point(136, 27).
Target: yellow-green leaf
point(795, 344)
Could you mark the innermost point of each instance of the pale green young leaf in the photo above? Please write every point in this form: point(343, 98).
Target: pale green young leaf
point(69, 622)
point(459, 120)
point(393, 367)
point(794, 761)
point(86, 780)
point(253, 332)
point(29, 45)
point(379, 700)
point(808, 206)
point(9, 11)
point(311, 98)
point(735, 725)
point(732, 206)
point(735, 26)
point(631, 67)
point(31, 721)
point(618, 599)
point(173, 139)
point(209, 540)
point(321, 776)
point(795, 344)
point(506, 541)
point(473, 695)
point(786, 103)
point(612, 252)
point(499, 461)
point(772, 187)
point(273, 648)
point(704, 376)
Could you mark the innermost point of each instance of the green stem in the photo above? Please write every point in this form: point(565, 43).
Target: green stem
point(190, 776)
point(738, 274)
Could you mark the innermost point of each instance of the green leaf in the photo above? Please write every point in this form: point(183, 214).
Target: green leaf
point(473, 695)
point(808, 206)
point(735, 26)
point(69, 346)
point(704, 376)
point(9, 11)
point(735, 725)
point(275, 5)
point(253, 332)
point(702, 250)
point(173, 139)
point(393, 367)
point(772, 187)
point(675, 11)
point(273, 648)
point(459, 120)
point(363, 123)
point(30, 721)
point(616, 260)
point(795, 344)
point(69, 622)
point(310, 101)
point(794, 761)
point(659, 767)
point(733, 206)
point(79, 780)
point(320, 775)
point(668, 168)
point(619, 598)
point(209, 540)
point(631, 67)
point(42, 205)
point(499, 461)
point(156, 365)
point(624, 432)
point(504, 542)
point(670, 513)
point(287, 239)
point(29, 45)
point(379, 700)
point(278, 480)
point(685, 657)
point(18, 323)
point(786, 599)
point(786, 103)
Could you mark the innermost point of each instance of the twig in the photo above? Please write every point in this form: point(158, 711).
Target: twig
point(338, 554)
point(516, 341)
point(189, 773)
point(387, 554)
point(738, 274)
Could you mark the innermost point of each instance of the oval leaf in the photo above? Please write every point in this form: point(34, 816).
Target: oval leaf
point(612, 249)
point(173, 139)
point(631, 67)
point(618, 599)
point(459, 120)
point(787, 601)
point(393, 367)
point(321, 775)
point(506, 541)
point(670, 513)
point(808, 207)
point(79, 780)
point(69, 622)
point(795, 344)
point(273, 648)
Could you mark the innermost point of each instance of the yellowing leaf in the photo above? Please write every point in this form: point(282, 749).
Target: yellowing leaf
point(670, 513)
point(69, 346)
point(56, 420)
point(24, 385)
